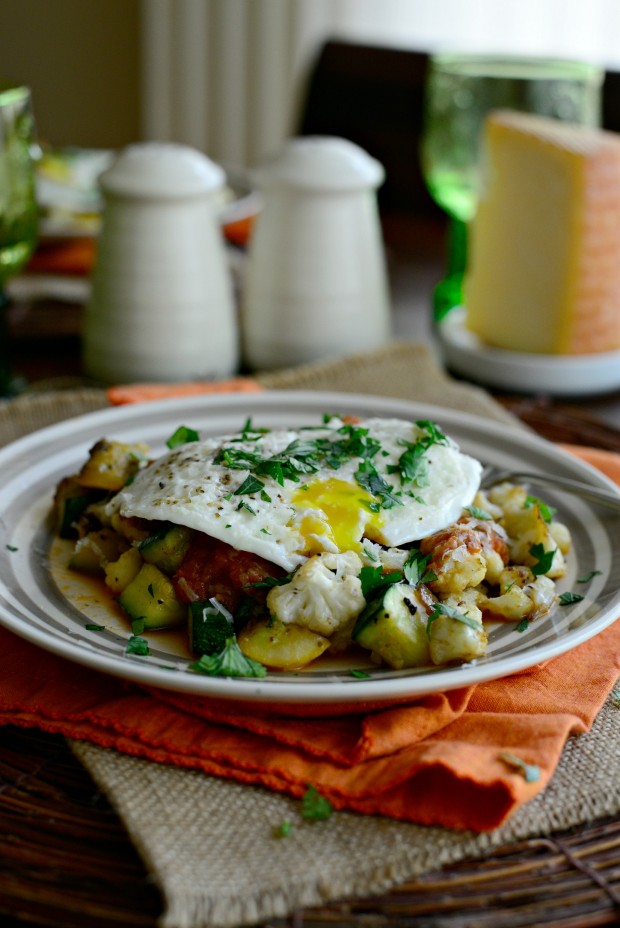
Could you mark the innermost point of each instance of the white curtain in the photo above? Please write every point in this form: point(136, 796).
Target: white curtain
point(226, 76)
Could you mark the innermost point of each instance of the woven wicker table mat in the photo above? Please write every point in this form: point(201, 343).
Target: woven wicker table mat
point(208, 842)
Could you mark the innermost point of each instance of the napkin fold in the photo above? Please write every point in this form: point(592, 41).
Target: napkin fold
point(124, 394)
point(466, 759)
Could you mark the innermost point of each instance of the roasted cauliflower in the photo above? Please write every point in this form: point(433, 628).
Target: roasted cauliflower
point(324, 595)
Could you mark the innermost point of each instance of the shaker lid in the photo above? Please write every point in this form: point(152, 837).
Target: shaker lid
point(161, 169)
point(320, 162)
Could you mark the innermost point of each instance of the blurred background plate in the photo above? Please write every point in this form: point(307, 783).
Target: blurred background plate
point(70, 203)
point(557, 375)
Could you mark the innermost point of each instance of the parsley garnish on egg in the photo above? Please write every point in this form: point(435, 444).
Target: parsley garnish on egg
point(182, 436)
point(348, 442)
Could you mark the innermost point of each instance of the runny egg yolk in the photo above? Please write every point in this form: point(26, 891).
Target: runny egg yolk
point(338, 515)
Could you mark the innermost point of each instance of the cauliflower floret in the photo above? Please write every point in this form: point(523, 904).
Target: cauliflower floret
point(483, 502)
point(458, 639)
point(522, 596)
point(495, 551)
point(526, 528)
point(374, 555)
point(325, 595)
point(456, 559)
point(543, 596)
point(561, 536)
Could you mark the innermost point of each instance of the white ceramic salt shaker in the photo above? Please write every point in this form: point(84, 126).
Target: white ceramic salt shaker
point(316, 282)
point(162, 305)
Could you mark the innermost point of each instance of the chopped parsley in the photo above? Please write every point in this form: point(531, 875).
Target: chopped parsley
point(523, 625)
point(269, 582)
point(531, 772)
point(369, 479)
point(229, 662)
point(250, 485)
point(283, 830)
point(11, 548)
point(247, 507)
point(451, 613)
point(478, 513)
point(412, 466)
point(415, 566)
point(314, 807)
point(374, 580)
point(547, 512)
point(434, 435)
point(93, 627)
point(137, 645)
point(249, 433)
point(307, 455)
point(568, 599)
point(359, 674)
point(543, 559)
point(182, 436)
point(589, 576)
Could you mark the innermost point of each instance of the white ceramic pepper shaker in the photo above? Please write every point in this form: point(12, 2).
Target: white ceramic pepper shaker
point(316, 284)
point(162, 304)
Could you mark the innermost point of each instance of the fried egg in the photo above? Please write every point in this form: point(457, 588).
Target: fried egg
point(288, 494)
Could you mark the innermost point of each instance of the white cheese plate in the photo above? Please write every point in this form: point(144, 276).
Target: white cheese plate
point(555, 375)
point(44, 611)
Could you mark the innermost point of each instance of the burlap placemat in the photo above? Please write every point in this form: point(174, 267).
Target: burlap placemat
point(210, 843)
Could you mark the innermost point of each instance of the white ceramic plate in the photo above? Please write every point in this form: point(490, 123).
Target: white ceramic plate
point(34, 606)
point(557, 375)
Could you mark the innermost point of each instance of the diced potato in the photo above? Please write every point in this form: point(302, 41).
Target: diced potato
point(134, 530)
point(111, 464)
point(513, 605)
point(279, 645)
point(120, 573)
point(526, 528)
point(513, 602)
point(456, 559)
point(452, 640)
point(95, 550)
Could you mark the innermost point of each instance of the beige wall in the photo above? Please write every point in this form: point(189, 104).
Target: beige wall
point(81, 58)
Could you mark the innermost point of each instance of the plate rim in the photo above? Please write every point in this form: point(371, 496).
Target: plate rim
point(317, 693)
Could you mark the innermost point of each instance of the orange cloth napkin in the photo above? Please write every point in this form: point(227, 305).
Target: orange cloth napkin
point(71, 256)
point(438, 760)
point(123, 394)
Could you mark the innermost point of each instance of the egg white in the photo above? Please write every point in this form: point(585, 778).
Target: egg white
point(327, 510)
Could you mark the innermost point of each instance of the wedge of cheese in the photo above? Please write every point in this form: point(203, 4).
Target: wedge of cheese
point(544, 251)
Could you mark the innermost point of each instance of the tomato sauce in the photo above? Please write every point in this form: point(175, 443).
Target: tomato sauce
point(213, 568)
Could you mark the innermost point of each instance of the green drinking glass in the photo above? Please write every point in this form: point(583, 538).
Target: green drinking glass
point(18, 206)
point(460, 91)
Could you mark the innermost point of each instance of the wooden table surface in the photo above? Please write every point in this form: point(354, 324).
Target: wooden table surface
point(65, 859)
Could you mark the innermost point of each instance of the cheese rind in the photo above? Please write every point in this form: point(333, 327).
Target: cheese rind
point(544, 259)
